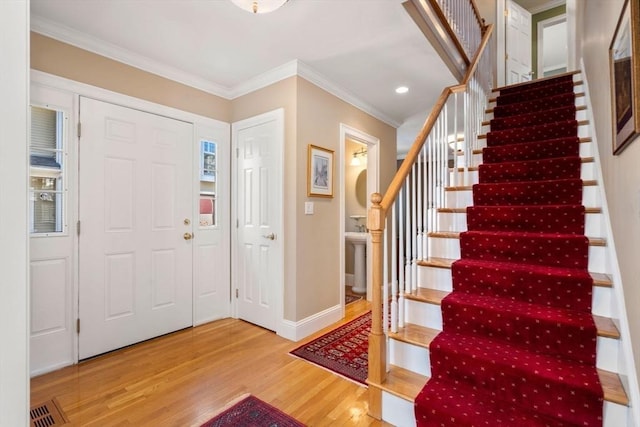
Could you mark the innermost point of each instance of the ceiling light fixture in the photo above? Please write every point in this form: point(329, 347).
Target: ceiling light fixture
point(402, 89)
point(259, 6)
point(355, 161)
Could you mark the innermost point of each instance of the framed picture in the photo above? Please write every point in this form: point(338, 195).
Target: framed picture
point(624, 58)
point(319, 172)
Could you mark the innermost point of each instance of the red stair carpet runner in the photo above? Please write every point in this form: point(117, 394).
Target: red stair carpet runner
point(518, 346)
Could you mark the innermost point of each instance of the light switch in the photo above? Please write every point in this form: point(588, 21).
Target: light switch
point(308, 208)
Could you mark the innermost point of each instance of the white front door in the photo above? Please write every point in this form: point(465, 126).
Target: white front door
point(135, 206)
point(258, 247)
point(518, 44)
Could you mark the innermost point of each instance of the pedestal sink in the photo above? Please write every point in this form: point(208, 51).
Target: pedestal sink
point(359, 242)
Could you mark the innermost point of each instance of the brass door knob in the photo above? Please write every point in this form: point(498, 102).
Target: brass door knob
point(188, 236)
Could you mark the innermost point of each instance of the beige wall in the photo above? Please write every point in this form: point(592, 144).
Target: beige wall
point(61, 59)
point(312, 115)
point(621, 173)
point(318, 236)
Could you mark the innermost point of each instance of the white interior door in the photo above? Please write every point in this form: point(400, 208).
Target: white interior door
point(258, 248)
point(135, 202)
point(518, 44)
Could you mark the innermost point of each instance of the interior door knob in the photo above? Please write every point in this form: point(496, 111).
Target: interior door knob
point(269, 236)
point(188, 236)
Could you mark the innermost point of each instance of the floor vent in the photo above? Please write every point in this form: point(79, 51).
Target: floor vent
point(47, 414)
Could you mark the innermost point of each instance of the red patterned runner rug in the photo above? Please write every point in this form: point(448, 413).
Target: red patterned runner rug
point(250, 411)
point(343, 350)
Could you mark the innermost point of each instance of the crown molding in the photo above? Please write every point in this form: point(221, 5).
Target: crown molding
point(549, 5)
point(108, 50)
point(289, 69)
point(322, 82)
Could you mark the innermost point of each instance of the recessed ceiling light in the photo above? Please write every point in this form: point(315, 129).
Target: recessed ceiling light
point(402, 89)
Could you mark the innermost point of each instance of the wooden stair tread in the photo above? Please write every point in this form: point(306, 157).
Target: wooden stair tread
point(593, 241)
point(407, 384)
point(578, 108)
point(612, 387)
point(402, 383)
point(585, 183)
point(415, 334)
point(429, 296)
point(591, 210)
point(436, 262)
point(583, 140)
point(599, 279)
point(580, 123)
point(606, 327)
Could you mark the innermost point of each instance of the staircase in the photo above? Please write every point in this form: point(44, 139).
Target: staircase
point(513, 320)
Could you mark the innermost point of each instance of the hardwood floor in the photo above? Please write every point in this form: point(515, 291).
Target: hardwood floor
point(183, 378)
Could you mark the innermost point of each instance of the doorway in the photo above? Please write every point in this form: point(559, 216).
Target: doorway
point(352, 137)
point(552, 46)
point(258, 246)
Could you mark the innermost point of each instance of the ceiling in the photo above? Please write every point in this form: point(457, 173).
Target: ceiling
point(361, 49)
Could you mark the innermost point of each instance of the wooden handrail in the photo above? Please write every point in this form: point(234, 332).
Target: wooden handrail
point(376, 223)
point(452, 35)
point(398, 180)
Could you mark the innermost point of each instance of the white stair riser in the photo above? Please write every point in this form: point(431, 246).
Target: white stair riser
point(607, 356)
point(409, 356)
point(448, 221)
point(435, 278)
point(601, 301)
point(587, 172)
point(397, 411)
point(462, 199)
point(423, 314)
point(615, 415)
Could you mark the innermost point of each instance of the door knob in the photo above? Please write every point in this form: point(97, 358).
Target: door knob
point(269, 236)
point(187, 236)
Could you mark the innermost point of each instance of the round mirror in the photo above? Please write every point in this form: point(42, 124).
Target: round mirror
point(361, 188)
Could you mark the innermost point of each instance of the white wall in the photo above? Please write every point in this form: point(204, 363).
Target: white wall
point(14, 87)
point(621, 173)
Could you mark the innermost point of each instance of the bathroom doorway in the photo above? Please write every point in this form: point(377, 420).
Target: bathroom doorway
point(359, 164)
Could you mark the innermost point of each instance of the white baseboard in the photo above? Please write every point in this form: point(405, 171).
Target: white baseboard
point(295, 331)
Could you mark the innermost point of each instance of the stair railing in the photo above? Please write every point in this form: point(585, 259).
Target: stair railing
point(411, 202)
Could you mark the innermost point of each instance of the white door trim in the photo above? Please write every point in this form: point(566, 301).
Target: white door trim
point(282, 327)
point(541, 26)
point(373, 185)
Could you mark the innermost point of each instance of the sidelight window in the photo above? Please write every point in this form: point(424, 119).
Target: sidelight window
point(47, 183)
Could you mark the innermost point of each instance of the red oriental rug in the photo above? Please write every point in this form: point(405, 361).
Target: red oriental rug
point(343, 351)
point(252, 412)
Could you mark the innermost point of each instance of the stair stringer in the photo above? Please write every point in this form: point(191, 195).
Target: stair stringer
point(626, 366)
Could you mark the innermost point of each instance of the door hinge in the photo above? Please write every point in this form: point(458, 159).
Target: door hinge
point(506, 56)
point(237, 152)
point(78, 227)
point(506, 12)
point(78, 326)
point(237, 223)
point(79, 129)
point(236, 292)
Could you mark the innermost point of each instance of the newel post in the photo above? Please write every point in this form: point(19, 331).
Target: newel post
point(377, 340)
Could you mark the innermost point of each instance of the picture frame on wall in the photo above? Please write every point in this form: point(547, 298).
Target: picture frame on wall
point(624, 60)
point(319, 172)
